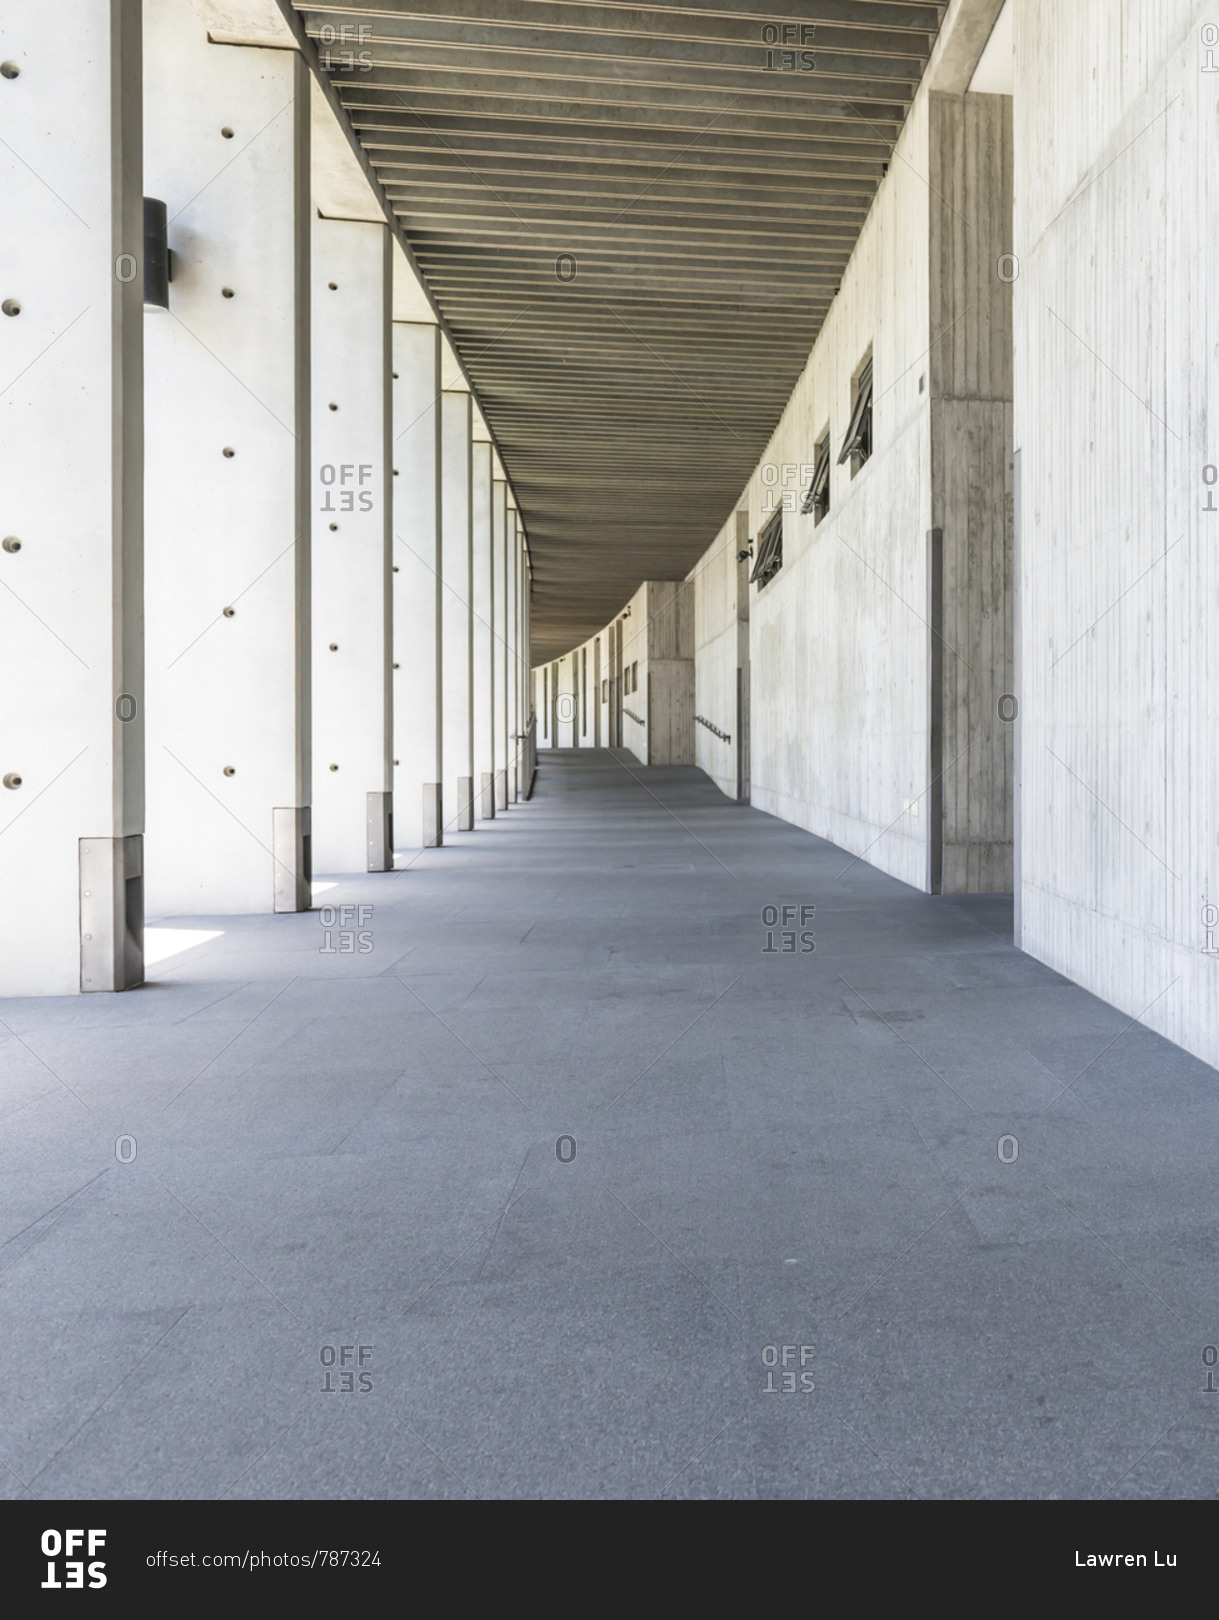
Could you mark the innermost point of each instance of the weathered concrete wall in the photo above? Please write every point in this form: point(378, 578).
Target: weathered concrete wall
point(969, 371)
point(655, 667)
point(1117, 344)
point(713, 583)
point(838, 640)
point(874, 711)
point(666, 672)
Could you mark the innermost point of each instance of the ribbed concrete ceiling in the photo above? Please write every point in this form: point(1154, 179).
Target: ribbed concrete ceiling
point(708, 191)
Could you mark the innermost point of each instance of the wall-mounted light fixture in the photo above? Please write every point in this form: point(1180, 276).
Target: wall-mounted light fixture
point(156, 255)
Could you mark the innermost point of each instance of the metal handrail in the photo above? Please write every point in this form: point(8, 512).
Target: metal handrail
point(639, 721)
point(722, 735)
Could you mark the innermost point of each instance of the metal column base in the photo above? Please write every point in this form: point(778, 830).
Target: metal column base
point(112, 912)
point(380, 817)
point(433, 821)
point(465, 804)
point(291, 830)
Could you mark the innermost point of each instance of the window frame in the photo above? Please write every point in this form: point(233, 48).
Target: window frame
point(769, 551)
point(859, 444)
point(817, 500)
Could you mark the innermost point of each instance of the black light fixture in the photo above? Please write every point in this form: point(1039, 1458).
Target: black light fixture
point(156, 255)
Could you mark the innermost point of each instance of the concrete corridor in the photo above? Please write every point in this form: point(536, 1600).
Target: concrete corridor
point(351, 1162)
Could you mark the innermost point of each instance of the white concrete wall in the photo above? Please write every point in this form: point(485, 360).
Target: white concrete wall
point(1117, 350)
point(227, 472)
point(352, 539)
point(418, 599)
point(457, 551)
point(70, 468)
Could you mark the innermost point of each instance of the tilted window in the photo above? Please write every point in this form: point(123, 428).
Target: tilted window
point(858, 443)
point(769, 557)
point(817, 500)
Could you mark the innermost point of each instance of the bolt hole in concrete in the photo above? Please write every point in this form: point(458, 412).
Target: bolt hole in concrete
point(228, 452)
point(226, 292)
point(227, 133)
point(334, 646)
point(10, 306)
point(333, 526)
point(229, 612)
point(333, 406)
point(333, 285)
point(12, 780)
point(11, 543)
point(230, 770)
point(10, 70)
point(334, 767)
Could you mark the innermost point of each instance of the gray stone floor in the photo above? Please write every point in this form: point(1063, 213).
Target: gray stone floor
point(766, 1151)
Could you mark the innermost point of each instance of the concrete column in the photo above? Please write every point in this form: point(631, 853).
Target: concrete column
point(515, 690)
point(457, 537)
point(352, 540)
point(71, 807)
point(418, 820)
point(530, 726)
point(969, 548)
point(499, 638)
point(228, 475)
point(482, 663)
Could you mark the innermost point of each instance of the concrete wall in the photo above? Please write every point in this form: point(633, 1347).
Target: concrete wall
point(874, 715)
point(1117, 344)
point(969, 380)
point(838, 640)
point(717, 589)
point(666, 672)
point(655, 668)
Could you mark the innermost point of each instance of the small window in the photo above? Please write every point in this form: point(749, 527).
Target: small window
point(817, 501)
point(605, 691)
point(769, 558)
point(858, 442)
point(634, 677)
